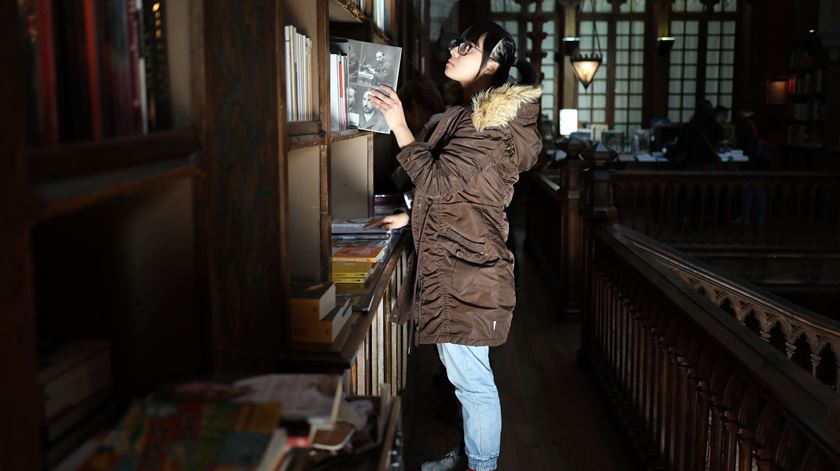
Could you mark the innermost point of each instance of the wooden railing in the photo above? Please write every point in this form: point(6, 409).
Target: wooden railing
point(738, 210)
point(810, 340)
point(555, 233)
point(692, 387)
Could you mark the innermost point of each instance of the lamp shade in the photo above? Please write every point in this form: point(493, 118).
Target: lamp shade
point(585, 67)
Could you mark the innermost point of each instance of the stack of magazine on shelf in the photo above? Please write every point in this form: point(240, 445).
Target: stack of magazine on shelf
point(356, 249)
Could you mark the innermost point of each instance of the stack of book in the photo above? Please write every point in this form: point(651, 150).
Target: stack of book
point(252, 424)
point(315, 317)
point(76, 383)
point(339, 103)
point(356, 249)
point(299, 76)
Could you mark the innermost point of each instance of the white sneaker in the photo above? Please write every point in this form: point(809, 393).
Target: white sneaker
point(452, 461)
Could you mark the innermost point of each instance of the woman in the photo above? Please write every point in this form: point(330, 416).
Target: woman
point(462, 297)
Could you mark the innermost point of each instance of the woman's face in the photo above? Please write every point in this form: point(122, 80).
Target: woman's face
point(464, 68)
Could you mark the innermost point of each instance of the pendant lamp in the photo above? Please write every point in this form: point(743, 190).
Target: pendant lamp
point(585, 66)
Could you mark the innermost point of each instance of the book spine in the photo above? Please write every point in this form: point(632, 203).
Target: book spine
point(142, 70)
point(157, 66)
point(91, 56)
point(341, 258)
point(288, 62)
point(133, 76)
point(334, 124)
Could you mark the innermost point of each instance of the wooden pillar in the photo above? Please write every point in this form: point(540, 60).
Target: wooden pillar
point(656, 72)
point(568, 75)
point(246, 179)
point(20, 399)
point(743, 58)
point(572, 241)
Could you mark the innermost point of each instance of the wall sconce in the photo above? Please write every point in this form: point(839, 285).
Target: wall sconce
point(571, 44)
point(664, 44)
point(777, 91)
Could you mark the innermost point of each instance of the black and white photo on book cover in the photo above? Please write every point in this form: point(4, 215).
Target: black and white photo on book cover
point(371, 65)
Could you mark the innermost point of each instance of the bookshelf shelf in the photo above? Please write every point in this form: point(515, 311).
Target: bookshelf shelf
point(305, 140)
point(61, 197)
point(345, 11)
point(338, 136)
point(340, 354)
point(299, 128)
point(74, 160)
point(381, 35)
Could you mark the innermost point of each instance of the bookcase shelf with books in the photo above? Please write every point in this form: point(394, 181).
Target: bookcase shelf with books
point(807, 92)
point(177, 248)
point(101, 172)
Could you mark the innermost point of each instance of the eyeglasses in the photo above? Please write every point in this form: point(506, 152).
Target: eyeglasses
point(464, 47)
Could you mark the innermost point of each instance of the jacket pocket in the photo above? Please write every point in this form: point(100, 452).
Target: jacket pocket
point(465, 248)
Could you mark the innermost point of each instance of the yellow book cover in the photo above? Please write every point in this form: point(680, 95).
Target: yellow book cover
point(351, 268)
point(370, 253)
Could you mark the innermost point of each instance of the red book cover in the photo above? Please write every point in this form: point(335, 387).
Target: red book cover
point(46, 54)
point(91, 57)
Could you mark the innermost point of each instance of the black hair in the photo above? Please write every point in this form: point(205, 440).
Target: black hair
point(422, 91)
point(499, 47)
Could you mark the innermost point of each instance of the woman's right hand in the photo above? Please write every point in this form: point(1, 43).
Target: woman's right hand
point(393, 221)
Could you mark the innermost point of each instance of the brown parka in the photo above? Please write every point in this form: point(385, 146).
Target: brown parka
point(461, 288)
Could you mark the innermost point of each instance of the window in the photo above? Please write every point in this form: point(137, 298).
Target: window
point(703, 56)
point(508, 14)
point(614, 99)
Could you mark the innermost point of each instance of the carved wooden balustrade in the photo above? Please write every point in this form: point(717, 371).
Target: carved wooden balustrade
point(693, 388)
point(809, 339)
point(739, 210)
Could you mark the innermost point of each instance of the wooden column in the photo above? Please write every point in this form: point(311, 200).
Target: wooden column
point(568, 75)
point(246, 179)
point(743, 58)
point(655, 97)
point(20, 398)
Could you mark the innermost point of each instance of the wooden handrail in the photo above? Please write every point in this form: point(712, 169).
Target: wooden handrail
point(751, 211)
point(692, 389)
point(794, 322)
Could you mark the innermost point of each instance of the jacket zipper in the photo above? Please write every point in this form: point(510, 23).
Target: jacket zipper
point(419, 281)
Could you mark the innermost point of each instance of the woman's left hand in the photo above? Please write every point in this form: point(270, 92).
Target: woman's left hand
point(389, 104)
point(385, 100)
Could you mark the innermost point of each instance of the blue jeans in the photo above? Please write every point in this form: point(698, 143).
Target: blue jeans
point(468, 369)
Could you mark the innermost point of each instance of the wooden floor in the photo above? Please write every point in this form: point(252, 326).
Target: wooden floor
point(553, 417)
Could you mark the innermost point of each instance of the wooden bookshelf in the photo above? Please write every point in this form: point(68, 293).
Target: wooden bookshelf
point(178, 247)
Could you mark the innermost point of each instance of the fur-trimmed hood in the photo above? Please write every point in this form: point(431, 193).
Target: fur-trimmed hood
point(499, 106)
point(514, 106)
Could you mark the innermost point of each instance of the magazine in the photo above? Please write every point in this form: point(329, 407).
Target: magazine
point(370, 65)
